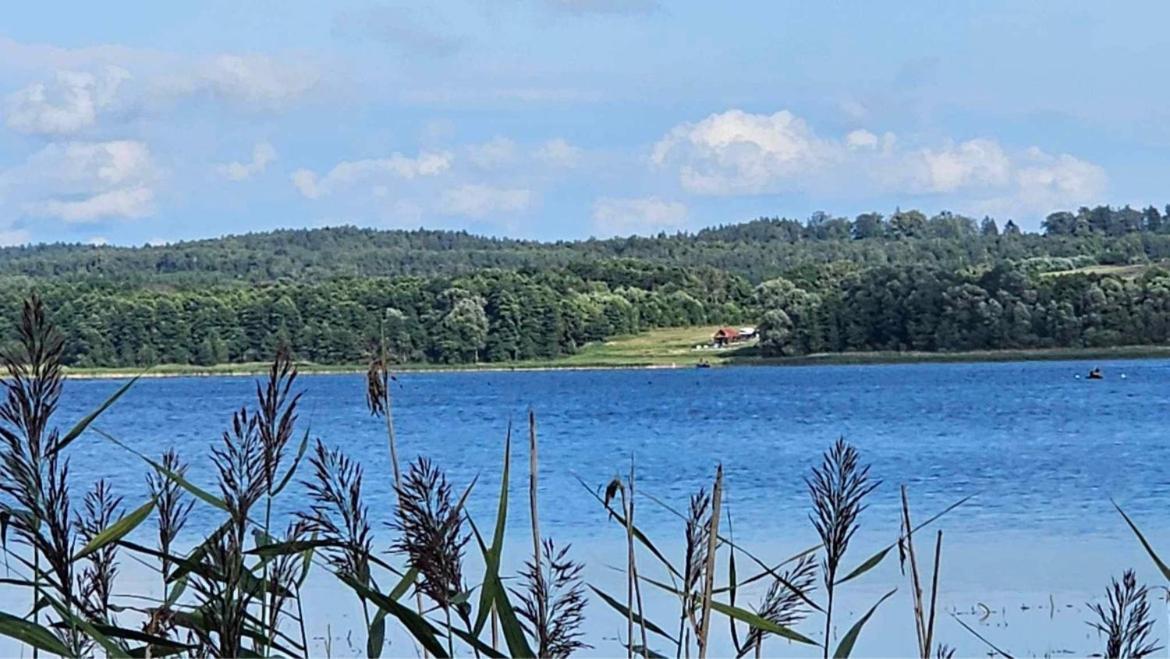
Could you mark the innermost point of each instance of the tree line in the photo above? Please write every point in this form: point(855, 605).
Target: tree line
point(758, 250)
point(925, 309)
point(490, 316)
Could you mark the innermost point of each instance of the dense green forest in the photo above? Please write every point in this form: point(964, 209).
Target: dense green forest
point(902, 282)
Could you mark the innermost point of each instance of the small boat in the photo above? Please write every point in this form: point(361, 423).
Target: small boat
point(1095, 374)
point(703, 364)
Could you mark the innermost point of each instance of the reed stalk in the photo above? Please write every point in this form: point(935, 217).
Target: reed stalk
point(533, 476)
point(709, 576)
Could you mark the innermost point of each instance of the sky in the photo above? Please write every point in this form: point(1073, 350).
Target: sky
point(150, 122)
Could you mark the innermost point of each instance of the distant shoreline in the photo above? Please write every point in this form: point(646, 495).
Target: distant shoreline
point(715, 360)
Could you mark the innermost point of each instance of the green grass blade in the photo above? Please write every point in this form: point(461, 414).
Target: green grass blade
point(376, 638)
point(850, 639)
point(116, 531)
point(76, 430)
point(994, 648)
point(491, 557)
point(510, 625)
point(483, 648)
point(423, 631)
point(274, 549)
point(113, 650)
point(404, 584)
point(292, 469)
point(177, 478)
point(763, 624)
point(642, 538)
point(873, 561)
point(622, 609)
point(1145, 543)
point(31, 634)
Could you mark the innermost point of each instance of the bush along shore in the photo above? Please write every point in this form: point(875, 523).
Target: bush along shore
point(239, 593)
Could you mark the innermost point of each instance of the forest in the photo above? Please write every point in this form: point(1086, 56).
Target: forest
point(826, 284)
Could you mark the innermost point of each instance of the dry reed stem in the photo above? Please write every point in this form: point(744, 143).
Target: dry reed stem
point(634, 568)
point(709, 577)
point(919, 616)
point(933, 593)
point(533, 475)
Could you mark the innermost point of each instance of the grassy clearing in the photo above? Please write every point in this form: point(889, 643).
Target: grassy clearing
point(1131, 271)
point(659, 348)
point(662, 348)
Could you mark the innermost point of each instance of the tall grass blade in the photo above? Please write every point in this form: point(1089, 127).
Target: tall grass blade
point(491, 578)
point(195, 490)
point(481, 647)
point(376, 636)
point(641, 537)
point(845, 648)
point(292, 469)
point(1165, 569)
point(754, 620)
point(32, 634)
point(117, 530)
point(995, 649)
point(873, 561)
point(625, 611)
point(510, 624)
point(84, 423)
point(419, 628)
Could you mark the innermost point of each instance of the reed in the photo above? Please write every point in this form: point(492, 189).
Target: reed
point(238, 591)
point(553, 602)
point(1124, 620)
point(838, 488)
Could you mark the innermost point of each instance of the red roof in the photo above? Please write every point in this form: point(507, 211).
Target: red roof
point(726, 333)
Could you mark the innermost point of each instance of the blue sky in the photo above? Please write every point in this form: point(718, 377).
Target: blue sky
point(133, 122)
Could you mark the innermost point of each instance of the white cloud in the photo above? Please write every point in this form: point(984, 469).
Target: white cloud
point(129, 203)
point(263, 154)
point(1046, 182)
point(861, 139)
point(481, 200)
point(978, 163)
point(348, 173)
point(98, 241)
point(69, 104)
point(85, 181)
point(735, 152)
point(494, 153)
point(558, 153)
point(613, 216)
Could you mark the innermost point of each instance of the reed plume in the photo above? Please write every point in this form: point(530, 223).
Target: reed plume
point(430, 524)
point(838, 487)
point(276, 409)
point(34, 477)
point(785, 601)
point(1125, 620)
point(101, 509)
point(698, 528)
point(173, 506)
point(553, 602)
point(337, 514)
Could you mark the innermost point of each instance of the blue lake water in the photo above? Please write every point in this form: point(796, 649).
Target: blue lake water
point(1042, 450)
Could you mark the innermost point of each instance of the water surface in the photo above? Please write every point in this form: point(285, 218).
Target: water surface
point(1043, 451)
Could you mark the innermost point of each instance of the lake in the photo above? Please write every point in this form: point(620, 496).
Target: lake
point(1042, 449)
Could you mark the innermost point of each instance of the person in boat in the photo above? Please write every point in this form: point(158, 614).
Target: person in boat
point(1095, 374)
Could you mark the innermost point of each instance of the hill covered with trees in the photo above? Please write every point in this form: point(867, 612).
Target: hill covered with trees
point(902, 282)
